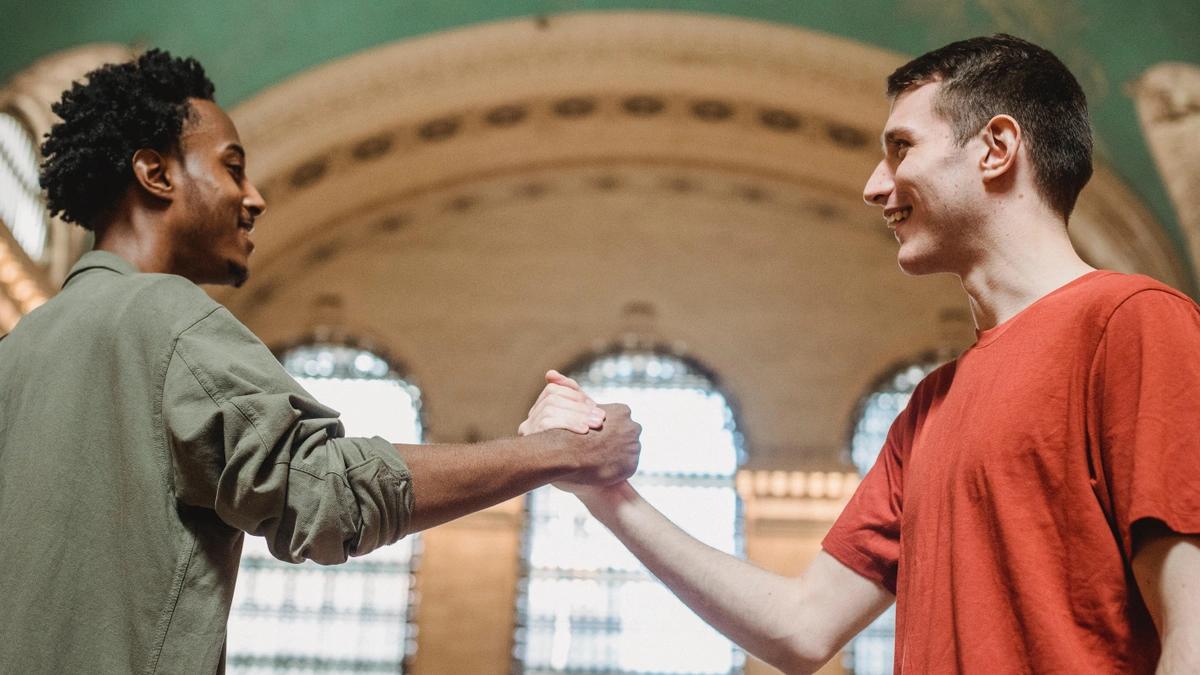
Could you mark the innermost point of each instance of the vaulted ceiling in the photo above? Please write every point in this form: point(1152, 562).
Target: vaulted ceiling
point(250, 47)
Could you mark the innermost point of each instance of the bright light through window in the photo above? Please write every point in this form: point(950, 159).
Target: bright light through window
point(872, 650)
point(21, 206)
point(354, 617)
point(587, 604)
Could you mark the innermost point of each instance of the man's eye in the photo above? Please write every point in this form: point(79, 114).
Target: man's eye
point(236, 170)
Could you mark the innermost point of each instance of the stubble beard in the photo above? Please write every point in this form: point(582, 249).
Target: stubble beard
point(238, 274)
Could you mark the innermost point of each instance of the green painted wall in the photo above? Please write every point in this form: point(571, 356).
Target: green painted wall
point(247, 45)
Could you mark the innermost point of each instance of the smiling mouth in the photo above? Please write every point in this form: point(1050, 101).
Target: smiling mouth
point(898, 216)
point(246, 228)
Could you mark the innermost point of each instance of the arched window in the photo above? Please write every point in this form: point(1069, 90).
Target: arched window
point(871, 652)
point(585, 603)
point(354, 617)
point(21, 205)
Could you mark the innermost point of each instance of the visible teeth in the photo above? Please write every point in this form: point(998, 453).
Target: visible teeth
point(898, 216)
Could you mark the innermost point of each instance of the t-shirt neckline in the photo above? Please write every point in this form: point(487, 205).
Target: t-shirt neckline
point(984, 338)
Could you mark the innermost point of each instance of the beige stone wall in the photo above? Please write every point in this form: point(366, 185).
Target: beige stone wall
point(467, 585)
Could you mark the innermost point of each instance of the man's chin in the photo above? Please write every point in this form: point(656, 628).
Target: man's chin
point(914, 264)
point(238, 274)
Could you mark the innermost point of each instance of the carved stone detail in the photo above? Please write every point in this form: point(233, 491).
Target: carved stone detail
point(1168, 105)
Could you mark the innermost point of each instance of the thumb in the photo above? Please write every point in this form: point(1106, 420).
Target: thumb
point(555, 377)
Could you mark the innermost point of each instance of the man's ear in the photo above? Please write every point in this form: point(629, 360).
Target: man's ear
point(1002, 137)
point(152, 173)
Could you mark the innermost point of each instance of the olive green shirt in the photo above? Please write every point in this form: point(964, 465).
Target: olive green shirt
point(143, 429)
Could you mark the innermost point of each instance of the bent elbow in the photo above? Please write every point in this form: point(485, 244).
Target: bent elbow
point(328, 557)
point(801, 657)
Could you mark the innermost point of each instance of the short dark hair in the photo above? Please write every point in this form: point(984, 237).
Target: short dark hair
point(119, 109)
point(987, 76)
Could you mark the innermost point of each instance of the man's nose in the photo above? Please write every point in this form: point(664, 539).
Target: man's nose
point(254, 201)
point(879, 186)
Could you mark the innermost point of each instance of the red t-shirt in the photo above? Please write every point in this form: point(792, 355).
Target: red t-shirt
point(1000, 508)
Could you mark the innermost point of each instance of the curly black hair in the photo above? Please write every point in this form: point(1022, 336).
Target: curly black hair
point(119, 109)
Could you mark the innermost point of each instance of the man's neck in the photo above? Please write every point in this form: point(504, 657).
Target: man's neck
point(1021, 265)
point(136, 242)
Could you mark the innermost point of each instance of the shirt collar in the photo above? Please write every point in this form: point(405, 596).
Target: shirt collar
point(100, 260)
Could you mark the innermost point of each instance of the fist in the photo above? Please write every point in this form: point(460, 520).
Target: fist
point(608, 455)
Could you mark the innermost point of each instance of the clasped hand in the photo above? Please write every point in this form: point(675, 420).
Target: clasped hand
point(608, 436)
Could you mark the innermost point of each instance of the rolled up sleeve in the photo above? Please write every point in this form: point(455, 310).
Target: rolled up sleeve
point(247, 441)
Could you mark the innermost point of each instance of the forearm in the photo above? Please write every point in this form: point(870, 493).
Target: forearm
point(1180, 653)
point(763, 612)
point(452, 480)
point(1166, 566)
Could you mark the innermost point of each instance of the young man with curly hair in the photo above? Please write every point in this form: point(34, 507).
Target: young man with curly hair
point(143, 429)
point(1036, 507)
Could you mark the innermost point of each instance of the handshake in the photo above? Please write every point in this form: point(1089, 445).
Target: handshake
point(605, 439)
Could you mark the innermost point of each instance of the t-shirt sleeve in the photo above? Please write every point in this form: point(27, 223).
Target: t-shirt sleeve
point(247, 441)
point(866, 536)
point(1145, 399)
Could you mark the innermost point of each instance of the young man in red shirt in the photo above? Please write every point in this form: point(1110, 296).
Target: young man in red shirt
point(1036, 506)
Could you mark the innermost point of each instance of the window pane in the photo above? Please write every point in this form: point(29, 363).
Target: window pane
point(871, 652)
point(21, 206)
point(353, 617)
point(880, 409)
point(587, 604)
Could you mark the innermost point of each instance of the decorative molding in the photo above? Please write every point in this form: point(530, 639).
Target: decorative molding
point(369, 225)
point(794, 498)
point(596, 89)
point(671, 108)
point(833, 486)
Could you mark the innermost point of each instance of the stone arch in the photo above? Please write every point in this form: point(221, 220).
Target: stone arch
point(502, 193)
